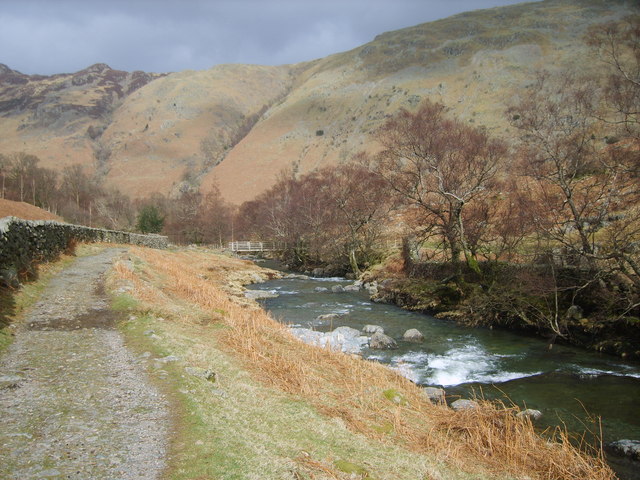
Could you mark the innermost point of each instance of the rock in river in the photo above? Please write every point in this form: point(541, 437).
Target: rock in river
point(413, 335)
point(381, 341)
point(345, 339)
point(626, 448)
point(530, 413)
point(371, 329)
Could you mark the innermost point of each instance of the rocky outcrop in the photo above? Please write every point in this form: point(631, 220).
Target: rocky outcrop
point(25, 242)
point(53, 100)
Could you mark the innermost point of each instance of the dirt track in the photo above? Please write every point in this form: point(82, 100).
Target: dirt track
point(74, 402)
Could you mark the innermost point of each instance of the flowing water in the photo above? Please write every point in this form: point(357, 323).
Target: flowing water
point(566, 384)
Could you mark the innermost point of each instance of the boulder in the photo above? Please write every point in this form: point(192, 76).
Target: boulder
point(531, 414)
point(352, 288)
point(463, 404)
point(337, 289)
point(371, 329)
point(413, 335)
point(625, 448)
point(317, 272)
point(435, 394)
point(320, 289)
point(345, 339)
point(380, 341)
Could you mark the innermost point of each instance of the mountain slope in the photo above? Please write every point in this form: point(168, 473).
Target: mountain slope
point(474, 63)
point(238, 126)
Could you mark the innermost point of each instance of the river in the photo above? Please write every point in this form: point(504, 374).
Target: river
point(566, 384)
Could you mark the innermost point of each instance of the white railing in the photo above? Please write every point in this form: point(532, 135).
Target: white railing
point(252, 246)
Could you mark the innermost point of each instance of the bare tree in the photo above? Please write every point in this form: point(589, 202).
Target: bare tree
point(439, 165)
point(560, 153)
point(618, 47)
point(23, 172)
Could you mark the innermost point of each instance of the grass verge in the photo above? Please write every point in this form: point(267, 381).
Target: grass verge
point(282, 409)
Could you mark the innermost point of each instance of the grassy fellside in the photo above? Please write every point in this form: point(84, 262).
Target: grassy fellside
point(364, 430)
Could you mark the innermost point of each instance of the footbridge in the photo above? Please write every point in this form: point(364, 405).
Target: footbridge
point(249, 247)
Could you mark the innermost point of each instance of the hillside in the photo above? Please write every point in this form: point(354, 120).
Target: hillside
point(9, 208)
point(238, 126)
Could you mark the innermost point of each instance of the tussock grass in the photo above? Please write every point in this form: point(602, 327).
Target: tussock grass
point(488, 441)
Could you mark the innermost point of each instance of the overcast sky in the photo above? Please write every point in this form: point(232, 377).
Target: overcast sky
point(60, 36)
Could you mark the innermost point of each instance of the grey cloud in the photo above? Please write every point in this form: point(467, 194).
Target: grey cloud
point(67, 35)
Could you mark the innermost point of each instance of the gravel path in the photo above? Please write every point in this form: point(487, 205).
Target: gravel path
point(74, 402)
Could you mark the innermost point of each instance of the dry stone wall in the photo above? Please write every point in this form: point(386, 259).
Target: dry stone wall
point(24, 243)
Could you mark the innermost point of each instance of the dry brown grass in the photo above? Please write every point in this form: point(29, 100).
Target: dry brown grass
point(489, 439)
point(25, 211)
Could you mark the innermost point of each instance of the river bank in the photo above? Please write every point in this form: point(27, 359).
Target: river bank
point(349, 415)
point(570, 386)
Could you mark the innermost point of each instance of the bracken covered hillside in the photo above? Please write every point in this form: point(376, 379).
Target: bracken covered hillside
point(238, 126)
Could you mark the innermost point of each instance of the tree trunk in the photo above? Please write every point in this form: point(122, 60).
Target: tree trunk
point(354, 262)
point(407, 260)
point(472, 263)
